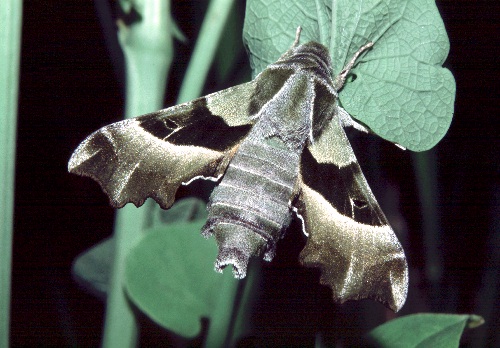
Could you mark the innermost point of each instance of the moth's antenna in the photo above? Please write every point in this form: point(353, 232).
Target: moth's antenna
point(297, 37)
point(340, 79)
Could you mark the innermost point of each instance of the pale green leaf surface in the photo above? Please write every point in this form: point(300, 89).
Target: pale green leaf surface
point(401, 91)
point(423, 330)
point(170, 276)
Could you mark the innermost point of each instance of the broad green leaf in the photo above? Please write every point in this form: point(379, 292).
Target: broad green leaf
point(170, 275)
point(423, 330)
point(398, 88)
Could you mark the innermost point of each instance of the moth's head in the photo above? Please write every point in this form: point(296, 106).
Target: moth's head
point(311, 55)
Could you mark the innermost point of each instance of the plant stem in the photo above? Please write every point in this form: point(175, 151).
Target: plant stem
point(148, 51)
point(204, 51)
point(10, 41)
point(426, 176)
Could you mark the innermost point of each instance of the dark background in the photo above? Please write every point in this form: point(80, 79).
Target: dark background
point(69, 88)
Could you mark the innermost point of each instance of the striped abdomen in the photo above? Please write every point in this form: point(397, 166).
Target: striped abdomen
point(249, 210)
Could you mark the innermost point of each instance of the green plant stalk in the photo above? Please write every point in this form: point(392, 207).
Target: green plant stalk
point(148, 51)
point(10, 48)
point(241, 320)
point(205, 49)
point(489, 290)
point(219, 329)
point(131, 222)
point(424, 164)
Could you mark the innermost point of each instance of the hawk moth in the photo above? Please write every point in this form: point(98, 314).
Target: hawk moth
point(275, 145)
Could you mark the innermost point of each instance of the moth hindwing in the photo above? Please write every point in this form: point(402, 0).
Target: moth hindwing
point(277, 145)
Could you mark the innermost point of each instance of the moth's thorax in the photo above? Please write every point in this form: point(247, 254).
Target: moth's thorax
point(296, 94)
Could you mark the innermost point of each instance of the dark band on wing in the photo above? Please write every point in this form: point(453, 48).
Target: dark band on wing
point(161, 124)
point(159, 127)
point(326, 180)
point(341, 187)
point(211, 133)
point(324, 108)
point(204, 129)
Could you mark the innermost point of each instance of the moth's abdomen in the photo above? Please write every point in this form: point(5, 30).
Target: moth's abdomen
point(249, 209)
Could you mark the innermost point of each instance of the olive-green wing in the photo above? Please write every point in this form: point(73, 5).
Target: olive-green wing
point(152, 155)
point(349, 237)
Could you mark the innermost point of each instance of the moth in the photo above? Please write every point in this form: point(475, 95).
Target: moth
point(277, 148)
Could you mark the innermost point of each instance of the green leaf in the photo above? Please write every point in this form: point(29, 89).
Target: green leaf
point(170, 276)
point(423, 330)
point(399, 88)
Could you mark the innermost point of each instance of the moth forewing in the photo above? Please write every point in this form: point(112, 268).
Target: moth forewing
point(153, 154)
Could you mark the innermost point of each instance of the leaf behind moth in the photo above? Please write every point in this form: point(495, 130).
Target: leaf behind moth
point(399, 88)
point(170, 277)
